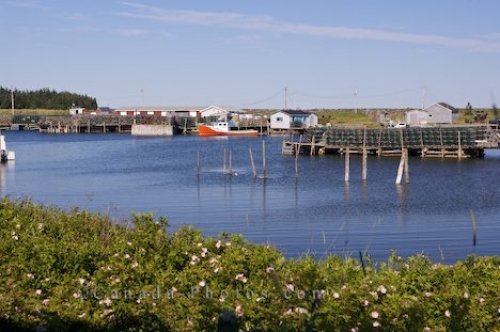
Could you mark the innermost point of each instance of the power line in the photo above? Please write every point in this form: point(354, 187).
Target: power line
point(275, 95)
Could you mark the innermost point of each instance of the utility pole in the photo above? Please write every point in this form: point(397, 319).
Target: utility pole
point(356, 99)
point(424, 92)
point(286, 98)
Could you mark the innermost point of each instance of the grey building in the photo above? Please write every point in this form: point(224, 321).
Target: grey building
point(438, 113)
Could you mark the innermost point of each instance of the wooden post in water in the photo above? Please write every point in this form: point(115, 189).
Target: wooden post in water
point(364, 159)
point(459, 153)
point(264, 171)
point(198, 163)
point(251, 161)
point(399, 176)
point(88, 128)
point(346, 164)
point(104, 127)
point(407, 167)
point(297, 163)
point(312, 145)
point(230, 171)
point(224, 168)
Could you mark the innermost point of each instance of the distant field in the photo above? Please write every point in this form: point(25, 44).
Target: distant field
point(341, 118)
point(33, 112)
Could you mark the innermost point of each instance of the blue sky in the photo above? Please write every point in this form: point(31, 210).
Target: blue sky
point(337, 54)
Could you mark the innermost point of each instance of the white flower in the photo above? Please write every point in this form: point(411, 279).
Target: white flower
point(217, 269)
point(269, 269)
point(202, 283)
point(18, 226)
point(81, 315)
point(288, 312)
point(15, 237)
point(138, 301)
point(481, 300)
point(354, 329)
point(76, 295)
point(81, 281)
point(376, 324)
point(134, 265)
point(213, 260)
point(466, 295)
point(30, 276)
point(127, 256)
point(38, 292)
point(290, 287)
point(199, 244)
point(301, 310)
point(374, 314)
point(447, 314)
point(427, 329)
point(174, 290)
point(45, 302)
point(381, 289)
point(107, 301)
point(238, 310)
point(366, 303)
point(218, 244)
point(241, 277)
point(336, 295)
point(204, 252)
point(228, 244)
point(129, 244)
point(428, 294)
point(40, 226)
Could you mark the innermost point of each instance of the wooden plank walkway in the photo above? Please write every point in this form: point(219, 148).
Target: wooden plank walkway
point(443, 141)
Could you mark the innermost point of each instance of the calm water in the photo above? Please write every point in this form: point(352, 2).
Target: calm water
point(316, 213)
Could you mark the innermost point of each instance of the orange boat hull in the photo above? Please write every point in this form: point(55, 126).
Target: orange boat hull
point(209, 131)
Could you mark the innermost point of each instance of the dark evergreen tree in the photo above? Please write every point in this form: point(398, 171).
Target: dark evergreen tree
point(45, 98)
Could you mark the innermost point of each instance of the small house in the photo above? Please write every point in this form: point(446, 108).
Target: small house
point(293, 119)
point(438, 113)
point(416, 118)
point(76, 110)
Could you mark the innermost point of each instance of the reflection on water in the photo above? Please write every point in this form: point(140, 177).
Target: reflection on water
point(315, 212)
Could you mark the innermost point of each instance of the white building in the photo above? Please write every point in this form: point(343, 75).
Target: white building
point(290, 119)
point(416, 118)
point(76, 110)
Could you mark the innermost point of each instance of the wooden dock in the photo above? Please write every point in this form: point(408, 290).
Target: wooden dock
point(426, 142)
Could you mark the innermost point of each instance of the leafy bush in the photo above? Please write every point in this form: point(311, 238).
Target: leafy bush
point(76, 270)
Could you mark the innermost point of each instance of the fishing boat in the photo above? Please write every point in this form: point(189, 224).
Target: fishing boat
point(222, 128)
point(5, 155)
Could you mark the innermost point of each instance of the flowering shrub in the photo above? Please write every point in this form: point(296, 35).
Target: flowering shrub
point(77, 270)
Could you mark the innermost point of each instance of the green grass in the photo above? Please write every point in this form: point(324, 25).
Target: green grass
point(351, 118)
point(79, 271)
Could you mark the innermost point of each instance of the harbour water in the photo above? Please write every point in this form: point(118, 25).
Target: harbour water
point(314, 213)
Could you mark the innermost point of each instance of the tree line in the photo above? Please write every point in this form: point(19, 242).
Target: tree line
point(45, 99)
